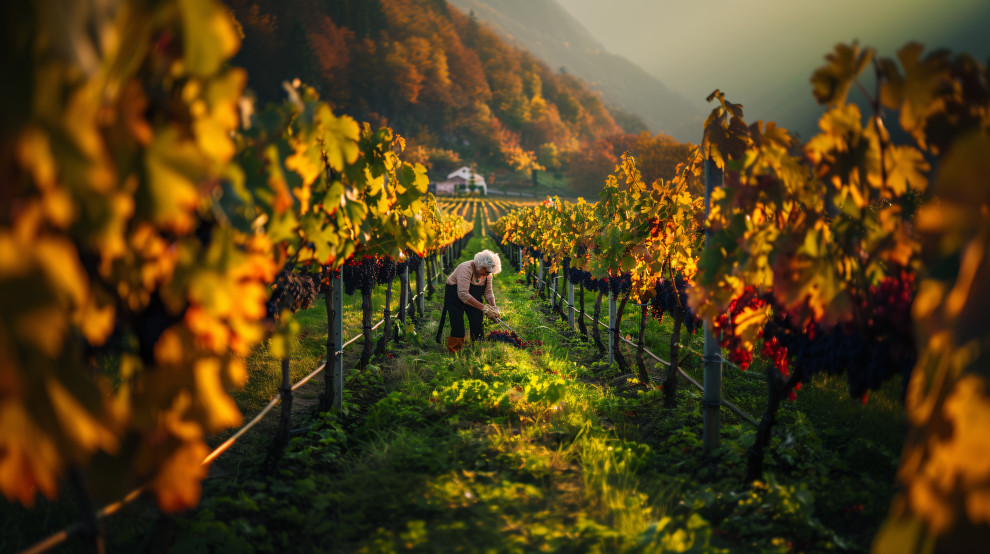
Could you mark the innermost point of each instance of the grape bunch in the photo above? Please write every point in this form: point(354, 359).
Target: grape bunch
point(888, 335)
point(671, 298)
point(387, 268)
point(360, 274)
point(619, 283)
point(505, 336)
point(725, 323)
point(300, 289)
point(870, 350)
point(576, 276)
point(777, 353)
point(888, 304)
point(303, 288)
point(594, 285)
point(414, 260)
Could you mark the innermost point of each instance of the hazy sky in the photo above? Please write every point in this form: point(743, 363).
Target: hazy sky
point(762, 52)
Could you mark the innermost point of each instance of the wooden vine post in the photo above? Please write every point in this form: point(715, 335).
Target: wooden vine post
point(611, 329)
point(403, 297)
point(712, 396)
point(93, 532)
point(539, 278)
point(553, 288)
point(580, 316)
point(338, 341)
point(366, 325)
point(281, 437)
point(644, 375)
point(430, 274)
point(528, 270)
point(595, 328)
point(616, 335)
point(331, 291)
point(285, 390)
point(420, 284)
point(670, 378)
point(570, 303)
point(389, 270)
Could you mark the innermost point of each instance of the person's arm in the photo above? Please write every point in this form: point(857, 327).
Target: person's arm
point(464, 287)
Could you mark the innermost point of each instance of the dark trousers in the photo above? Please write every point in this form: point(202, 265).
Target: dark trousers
point(457, 309)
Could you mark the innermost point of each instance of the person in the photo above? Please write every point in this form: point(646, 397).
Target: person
point(467, 286)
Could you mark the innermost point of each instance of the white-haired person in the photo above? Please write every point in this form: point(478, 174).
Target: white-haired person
point(467, 286)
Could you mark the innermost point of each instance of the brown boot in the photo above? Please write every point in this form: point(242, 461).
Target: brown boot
point(454, 344)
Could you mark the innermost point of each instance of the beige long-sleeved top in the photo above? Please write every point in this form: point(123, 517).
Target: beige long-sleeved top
point(463, 277)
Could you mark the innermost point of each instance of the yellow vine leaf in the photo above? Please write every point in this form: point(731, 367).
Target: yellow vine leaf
point(209, 37)
point(60, 264)
point(210, 332)
point(80, 424)
point(169, 347)
point(968, 450)
point(831, 83)
point(906, 168)
point(219, 408)
point(95, 322)
point(340, 139)
point(748, 324)
point(174, 168)
point(29, 460)
point(222, 95)
point(177, 482)
point(35, 155)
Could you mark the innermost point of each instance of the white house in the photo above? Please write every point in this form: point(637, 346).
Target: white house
point(469, 177)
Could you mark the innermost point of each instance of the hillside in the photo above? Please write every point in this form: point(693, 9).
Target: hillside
point(549, 32)
point(442, 80)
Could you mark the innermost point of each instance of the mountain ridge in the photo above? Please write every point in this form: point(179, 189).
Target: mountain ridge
point(550, 32)
point(453, 88)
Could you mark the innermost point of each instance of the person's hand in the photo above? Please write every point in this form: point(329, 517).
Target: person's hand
point(490, 312)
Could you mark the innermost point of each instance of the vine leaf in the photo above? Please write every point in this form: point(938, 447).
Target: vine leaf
point(749, 322)
point(830, 83)
point(906, 169)
point(726, 134)
point(209, 38)
point(174, 167)
point(918, 94)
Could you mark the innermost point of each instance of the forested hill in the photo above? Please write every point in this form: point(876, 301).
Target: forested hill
point(442, 80)
point(547, 30)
